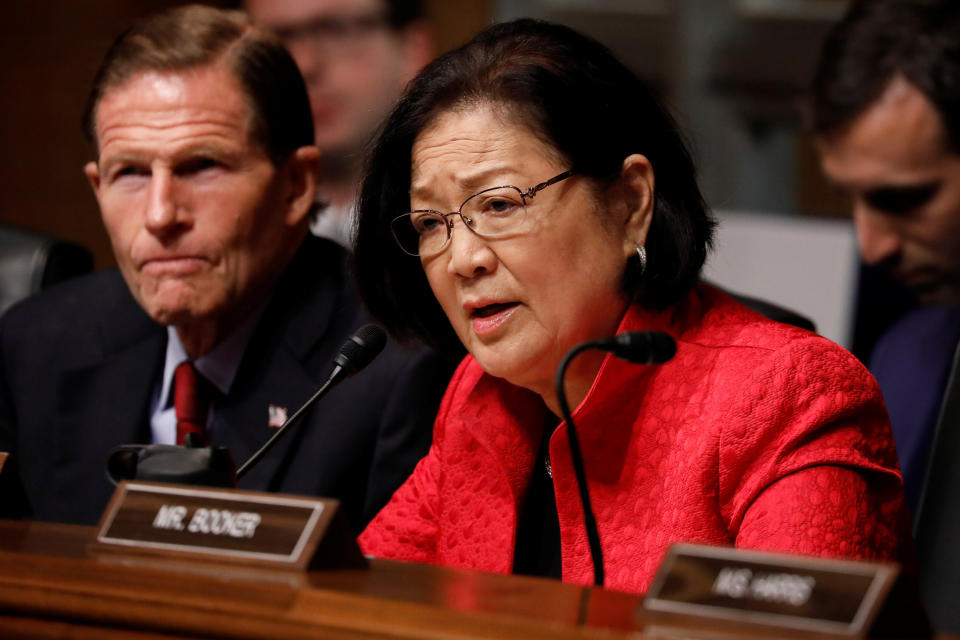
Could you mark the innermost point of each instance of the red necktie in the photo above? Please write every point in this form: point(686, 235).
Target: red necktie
point(191, 401)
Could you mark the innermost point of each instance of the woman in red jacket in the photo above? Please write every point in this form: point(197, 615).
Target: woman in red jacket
point(527, 194)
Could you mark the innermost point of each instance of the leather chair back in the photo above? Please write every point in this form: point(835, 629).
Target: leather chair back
point(30, 262)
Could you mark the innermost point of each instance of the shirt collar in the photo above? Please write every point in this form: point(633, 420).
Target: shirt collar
point(219, 365)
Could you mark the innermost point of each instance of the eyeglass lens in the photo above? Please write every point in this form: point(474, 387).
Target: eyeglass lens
point(490, 213)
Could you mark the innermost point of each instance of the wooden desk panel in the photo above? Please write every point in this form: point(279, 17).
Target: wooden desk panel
point(49, 588)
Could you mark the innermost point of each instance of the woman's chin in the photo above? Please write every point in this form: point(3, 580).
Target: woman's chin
point(495, 365)
point(519, 369)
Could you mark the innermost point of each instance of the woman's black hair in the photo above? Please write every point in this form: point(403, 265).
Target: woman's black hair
point(578, 98)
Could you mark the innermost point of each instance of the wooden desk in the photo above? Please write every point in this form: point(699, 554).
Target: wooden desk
point(51, 588)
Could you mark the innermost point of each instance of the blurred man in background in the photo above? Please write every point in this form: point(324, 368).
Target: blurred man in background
point(886, 112)
point(356, 56)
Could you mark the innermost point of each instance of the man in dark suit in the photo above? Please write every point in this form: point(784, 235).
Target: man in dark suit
point(205, 172)
point(885, 111)
point(885, 98)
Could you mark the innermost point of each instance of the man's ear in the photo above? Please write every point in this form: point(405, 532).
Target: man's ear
point(92, 171)
point(635, 191)
point(303, 171)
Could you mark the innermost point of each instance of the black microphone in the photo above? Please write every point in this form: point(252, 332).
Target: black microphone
point(640, 347)
point(357, 352)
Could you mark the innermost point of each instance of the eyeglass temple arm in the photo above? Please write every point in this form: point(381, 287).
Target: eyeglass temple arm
point(532, 191)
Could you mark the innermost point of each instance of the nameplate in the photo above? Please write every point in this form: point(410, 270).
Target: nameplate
point(768, 592)
point(227, 525)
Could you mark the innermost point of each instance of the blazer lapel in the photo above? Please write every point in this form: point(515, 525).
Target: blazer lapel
point(276, 368)
point(507, 426)
point(101, 406)
point(241, 424)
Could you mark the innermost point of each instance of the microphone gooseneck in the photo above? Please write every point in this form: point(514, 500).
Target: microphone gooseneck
point(357, 352)
point(639, 347)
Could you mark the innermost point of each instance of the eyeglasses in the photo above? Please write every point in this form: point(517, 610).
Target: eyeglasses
point(333, 34)
point(491, 213)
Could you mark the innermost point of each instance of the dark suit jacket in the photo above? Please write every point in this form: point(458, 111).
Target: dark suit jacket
point(80, 364)
point(911, 362)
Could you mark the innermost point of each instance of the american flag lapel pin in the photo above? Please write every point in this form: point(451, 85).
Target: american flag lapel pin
point(276, 416)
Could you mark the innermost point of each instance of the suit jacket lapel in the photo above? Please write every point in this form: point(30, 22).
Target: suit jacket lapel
point(104, 404)
point(241, 425)
point(274, 369)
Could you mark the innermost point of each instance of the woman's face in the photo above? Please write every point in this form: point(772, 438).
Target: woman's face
point(520, 302)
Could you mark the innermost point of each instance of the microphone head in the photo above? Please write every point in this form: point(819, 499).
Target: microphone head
point(643, 347)
point(361, 348)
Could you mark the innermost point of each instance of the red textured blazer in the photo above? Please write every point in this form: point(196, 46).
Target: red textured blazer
point(756, 434)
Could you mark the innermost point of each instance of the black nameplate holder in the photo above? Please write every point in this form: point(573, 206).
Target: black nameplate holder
point(703, 591)
point(226, 526)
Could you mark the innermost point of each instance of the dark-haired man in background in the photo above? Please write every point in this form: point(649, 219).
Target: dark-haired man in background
point(356, 56)
point(886, 113)
point(205, 176)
